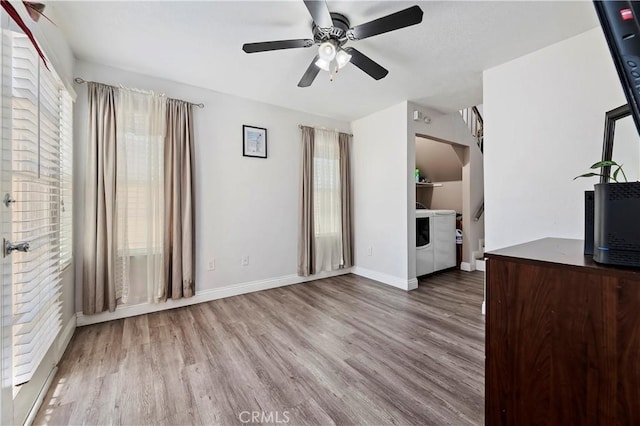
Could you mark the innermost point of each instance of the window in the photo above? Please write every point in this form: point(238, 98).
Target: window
point(41, 149)
point(327, 202)
point(143, 167)
point(66, 179)
point(141, 118)
point(140, 178)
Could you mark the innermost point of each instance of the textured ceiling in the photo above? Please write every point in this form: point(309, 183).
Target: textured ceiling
point(438, 63)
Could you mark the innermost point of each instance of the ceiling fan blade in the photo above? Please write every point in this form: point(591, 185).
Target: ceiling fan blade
point(395, 21)
point(319, 12)
point(276, 45)
point(366, 64)
point(310, 74)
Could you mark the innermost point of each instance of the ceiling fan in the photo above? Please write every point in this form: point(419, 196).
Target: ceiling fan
point(331, 31)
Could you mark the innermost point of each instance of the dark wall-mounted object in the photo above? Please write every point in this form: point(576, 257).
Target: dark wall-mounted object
point(254, 141)
point(620, 24)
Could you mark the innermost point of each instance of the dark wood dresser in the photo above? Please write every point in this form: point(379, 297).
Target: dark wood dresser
point(562, 337)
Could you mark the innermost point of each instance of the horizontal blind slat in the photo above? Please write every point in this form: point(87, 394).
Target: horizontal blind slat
point(38, 109)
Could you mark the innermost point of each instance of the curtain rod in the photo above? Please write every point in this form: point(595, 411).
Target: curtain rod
point(79, 80)
point(300, 126)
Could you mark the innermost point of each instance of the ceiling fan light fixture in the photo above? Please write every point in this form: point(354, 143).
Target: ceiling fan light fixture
point(342, 58)
point(327, 50)
point(322, 64)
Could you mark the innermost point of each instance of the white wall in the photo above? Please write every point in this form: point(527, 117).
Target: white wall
point(544, 123)
point(379, 173)
point(244, 206)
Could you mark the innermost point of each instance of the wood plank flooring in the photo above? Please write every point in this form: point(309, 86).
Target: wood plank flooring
point(343, 350)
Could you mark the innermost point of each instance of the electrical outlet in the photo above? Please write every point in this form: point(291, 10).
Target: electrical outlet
point(370, 251)
point(245, 260)
point(212, 265)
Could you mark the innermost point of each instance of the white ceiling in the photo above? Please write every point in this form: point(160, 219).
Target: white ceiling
point(437, 63)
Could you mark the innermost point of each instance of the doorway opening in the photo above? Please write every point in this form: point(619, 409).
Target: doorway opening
point(439, 196)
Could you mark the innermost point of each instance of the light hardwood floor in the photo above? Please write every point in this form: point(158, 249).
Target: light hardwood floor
point(343, 350)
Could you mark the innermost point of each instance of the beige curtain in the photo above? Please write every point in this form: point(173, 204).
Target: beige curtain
point(306, 230)
point(179, 241)
point(345, 192)
point(99, 253)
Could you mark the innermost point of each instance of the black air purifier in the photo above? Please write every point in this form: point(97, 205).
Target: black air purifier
point(588, 222)
point(617, 224)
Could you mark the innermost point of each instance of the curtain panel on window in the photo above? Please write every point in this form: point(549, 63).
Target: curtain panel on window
point(345, 196)
point(99, 245)
point(139, 228)
point(325, 231)
point(306, 234)
point(179, 210)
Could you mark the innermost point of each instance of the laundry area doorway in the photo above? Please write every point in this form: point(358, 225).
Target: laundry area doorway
point(439, 204)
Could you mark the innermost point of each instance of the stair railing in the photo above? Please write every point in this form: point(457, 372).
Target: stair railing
point(479, 212)
point(474, 121)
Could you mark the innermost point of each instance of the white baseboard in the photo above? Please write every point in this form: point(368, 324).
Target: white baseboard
point(125, 311)
point(480, 265)
point(391, 280)
point(60, 346)
point(65, 336)
point(466, 266)
point(40, 398)
point(412, 284)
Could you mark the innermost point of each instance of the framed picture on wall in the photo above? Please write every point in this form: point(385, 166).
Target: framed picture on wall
point(254, 141)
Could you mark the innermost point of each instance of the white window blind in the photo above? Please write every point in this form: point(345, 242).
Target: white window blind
point(326, 183)
point(141, 161)
point(38, 112)
point(66, 179)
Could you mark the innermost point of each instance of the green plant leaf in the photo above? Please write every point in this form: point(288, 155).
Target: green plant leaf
point(600, 164)
point(615, 174)
point(587, 175)
point(623, 174)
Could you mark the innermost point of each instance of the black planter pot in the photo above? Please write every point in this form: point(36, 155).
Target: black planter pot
point(617, 224)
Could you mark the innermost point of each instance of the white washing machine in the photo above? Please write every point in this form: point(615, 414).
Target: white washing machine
point(435, 241)
point(425, 260)
point(444, 239)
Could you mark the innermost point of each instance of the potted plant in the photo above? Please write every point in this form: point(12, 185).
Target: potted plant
point(615, 214)
point(605, 171)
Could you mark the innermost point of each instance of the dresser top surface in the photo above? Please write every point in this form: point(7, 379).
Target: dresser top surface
point(561, 251)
